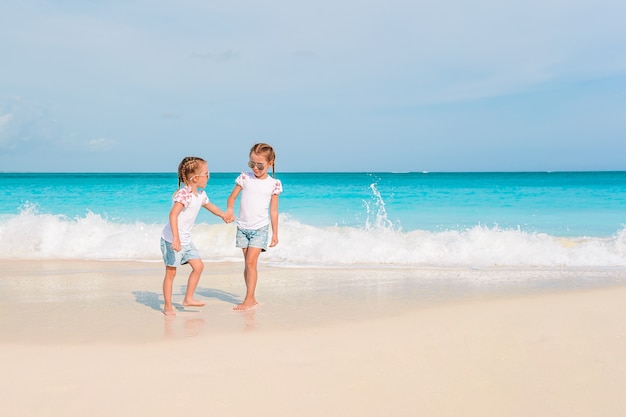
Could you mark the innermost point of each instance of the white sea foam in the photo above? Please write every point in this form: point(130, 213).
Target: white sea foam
point(31, 235)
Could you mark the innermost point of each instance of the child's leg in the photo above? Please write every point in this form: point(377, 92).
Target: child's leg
point(251, 256)
point(168, 283)
point(197, 266)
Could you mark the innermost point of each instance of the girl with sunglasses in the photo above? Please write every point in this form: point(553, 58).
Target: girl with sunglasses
point(258, 209)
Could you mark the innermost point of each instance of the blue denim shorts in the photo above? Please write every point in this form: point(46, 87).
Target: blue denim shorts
point(256, 238)
point(176, 259)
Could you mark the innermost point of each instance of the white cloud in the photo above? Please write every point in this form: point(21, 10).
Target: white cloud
point(5, 119)
point(100, 145)
point(170, 115)
point(228, 55)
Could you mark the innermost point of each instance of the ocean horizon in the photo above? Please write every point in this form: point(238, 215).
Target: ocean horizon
point(551, 219)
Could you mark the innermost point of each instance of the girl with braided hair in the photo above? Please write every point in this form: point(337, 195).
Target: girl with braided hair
point(176, 244)
point(257, 210)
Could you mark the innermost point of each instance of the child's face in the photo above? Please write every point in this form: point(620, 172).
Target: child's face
point(259, 165)
point(201, 176)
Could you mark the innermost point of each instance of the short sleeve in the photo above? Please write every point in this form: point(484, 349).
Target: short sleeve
point(205, 198)
point(278, 188)
point(241, 179)
point(183, 196)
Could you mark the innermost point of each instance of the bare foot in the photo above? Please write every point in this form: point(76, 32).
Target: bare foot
point(193, 303)
point(246, 305)
point(169, 311)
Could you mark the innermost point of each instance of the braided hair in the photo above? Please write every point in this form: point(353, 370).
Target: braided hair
point(187, 167)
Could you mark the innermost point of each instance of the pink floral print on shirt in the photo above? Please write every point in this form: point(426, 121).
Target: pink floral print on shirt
point(183, 196)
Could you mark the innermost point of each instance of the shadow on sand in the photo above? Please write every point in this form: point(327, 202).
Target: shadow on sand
point(219, 294)
point(155, 302)
point(149, 299)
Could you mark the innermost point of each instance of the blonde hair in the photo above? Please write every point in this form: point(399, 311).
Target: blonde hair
point(266, 151)
point(187, 167)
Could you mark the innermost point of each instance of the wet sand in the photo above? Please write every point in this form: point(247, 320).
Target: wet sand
point(88, 337)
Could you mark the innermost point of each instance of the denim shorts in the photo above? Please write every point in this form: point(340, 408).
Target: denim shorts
point(176, 259)
point(256, 238)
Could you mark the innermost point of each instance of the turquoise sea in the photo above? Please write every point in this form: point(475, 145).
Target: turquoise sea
point(467, 220)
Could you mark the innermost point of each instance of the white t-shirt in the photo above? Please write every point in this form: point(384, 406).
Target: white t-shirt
point(187, 217)
point(255, 200)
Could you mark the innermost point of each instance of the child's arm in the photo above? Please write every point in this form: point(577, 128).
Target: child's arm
point(216, 210)
point(174, 212)
point(230, 203)
point(274, 219)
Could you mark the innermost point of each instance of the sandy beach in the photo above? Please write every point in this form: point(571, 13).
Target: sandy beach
point(88, 338)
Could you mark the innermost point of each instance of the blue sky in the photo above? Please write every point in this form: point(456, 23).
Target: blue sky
point(343, 85)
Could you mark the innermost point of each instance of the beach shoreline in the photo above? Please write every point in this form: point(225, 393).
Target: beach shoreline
point(85, 301)
point(82, 336)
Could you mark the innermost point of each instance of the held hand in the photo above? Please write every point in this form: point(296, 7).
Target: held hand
point(229, 217)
